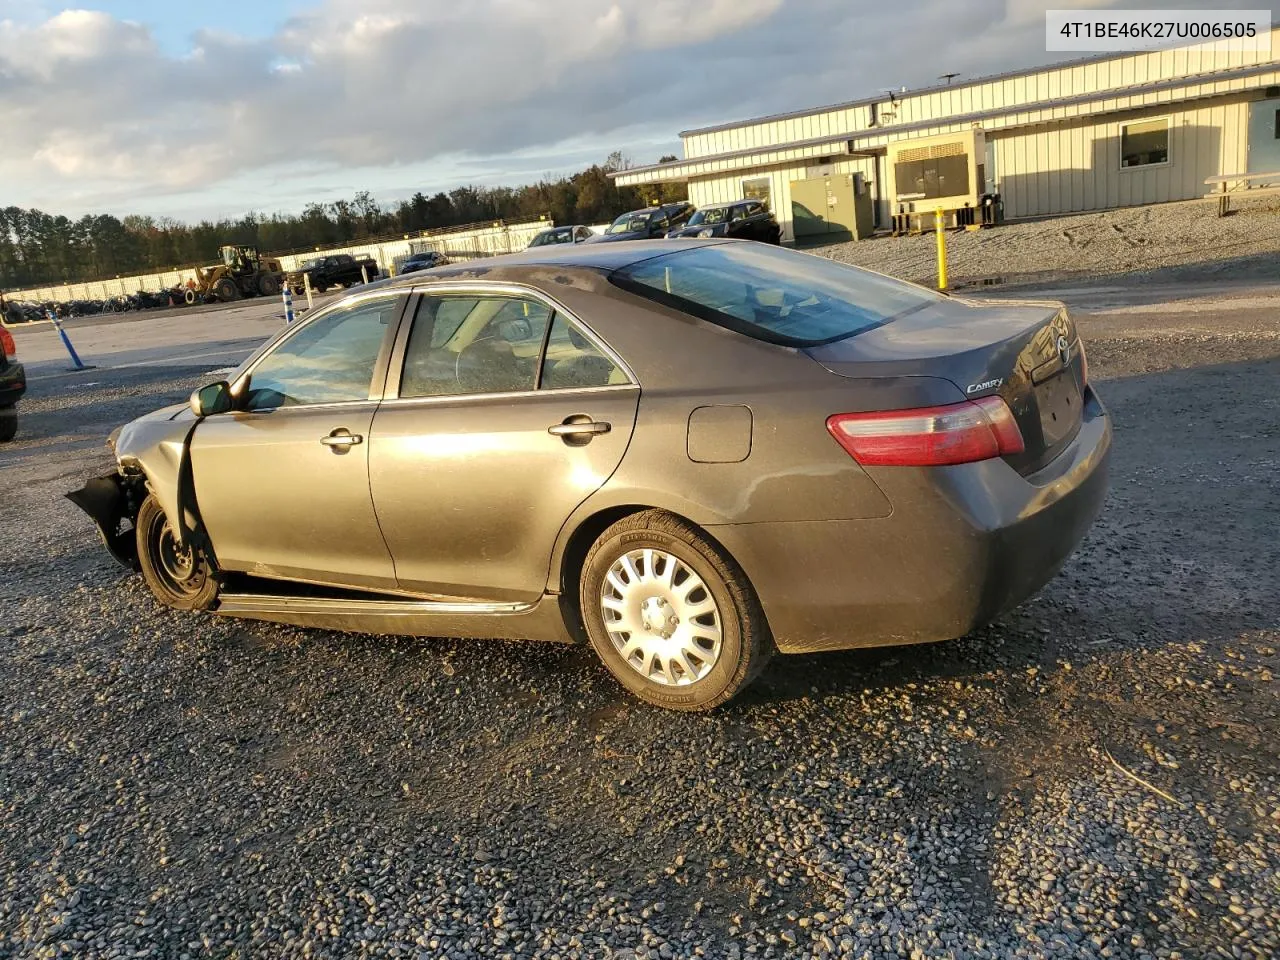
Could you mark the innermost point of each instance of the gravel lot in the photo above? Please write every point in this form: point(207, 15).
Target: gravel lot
point(1170, 241)
point(186, 786)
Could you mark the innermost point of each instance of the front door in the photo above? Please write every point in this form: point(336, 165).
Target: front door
point(1264, 137)
point(282, 482)
point(508, 417)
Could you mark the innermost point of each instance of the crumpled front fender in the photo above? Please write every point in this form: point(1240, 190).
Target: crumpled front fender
point(158, 449)
point(153, 454)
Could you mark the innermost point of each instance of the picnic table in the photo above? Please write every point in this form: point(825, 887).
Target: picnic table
point(1254, 184)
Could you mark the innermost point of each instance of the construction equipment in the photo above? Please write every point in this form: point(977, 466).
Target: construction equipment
point(243, 272)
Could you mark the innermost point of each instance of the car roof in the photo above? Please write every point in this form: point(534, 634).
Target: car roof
point(665, 206)
point(597, 257)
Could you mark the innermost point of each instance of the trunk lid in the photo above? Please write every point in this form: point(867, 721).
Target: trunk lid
point(1028, 353)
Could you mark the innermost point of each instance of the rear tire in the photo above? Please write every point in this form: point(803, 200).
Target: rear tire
point(671, 614)
point(190, 297)
point(8, 423)
point(181, 579)
point(268, 285)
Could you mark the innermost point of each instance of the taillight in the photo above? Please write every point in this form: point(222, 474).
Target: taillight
point(6, 343)
point(929, 436)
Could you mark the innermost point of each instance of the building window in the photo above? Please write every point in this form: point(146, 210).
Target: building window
point(1144, 143)
point(757, 189)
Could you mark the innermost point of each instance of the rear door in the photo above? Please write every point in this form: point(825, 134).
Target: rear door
point(502, 416)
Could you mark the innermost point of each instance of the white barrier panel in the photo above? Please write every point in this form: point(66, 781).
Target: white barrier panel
point(484, 241)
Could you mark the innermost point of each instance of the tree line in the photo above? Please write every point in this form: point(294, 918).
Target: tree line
point(38, 248)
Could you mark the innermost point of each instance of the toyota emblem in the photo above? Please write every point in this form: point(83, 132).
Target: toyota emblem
point(1064, 351)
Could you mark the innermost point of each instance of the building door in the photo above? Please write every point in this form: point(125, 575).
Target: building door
point(1264, 137)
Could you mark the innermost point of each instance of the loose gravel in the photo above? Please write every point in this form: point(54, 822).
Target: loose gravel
point(1095, 775)
point(1168, 242)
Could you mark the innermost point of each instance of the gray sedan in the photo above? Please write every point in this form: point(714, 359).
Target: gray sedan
point(690, 454)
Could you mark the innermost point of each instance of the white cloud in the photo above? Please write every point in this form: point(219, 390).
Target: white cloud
point(94, 111)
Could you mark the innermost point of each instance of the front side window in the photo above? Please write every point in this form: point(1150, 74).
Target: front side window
point(330, 360)
point(708, 216)
point(464, 345)
point(771, 294)
point(573, 361)
point(1144, 143)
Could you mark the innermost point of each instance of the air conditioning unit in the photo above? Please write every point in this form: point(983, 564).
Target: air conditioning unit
point(946, 170)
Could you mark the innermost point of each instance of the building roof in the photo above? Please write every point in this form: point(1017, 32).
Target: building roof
point(1117, 99)
point(904, 92)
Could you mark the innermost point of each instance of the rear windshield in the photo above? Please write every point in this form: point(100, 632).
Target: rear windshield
point(772, 294)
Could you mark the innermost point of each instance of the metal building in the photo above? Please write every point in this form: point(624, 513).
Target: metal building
point(1111, 131)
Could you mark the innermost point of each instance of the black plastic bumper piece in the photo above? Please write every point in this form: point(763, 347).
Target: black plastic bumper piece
point(107, 502)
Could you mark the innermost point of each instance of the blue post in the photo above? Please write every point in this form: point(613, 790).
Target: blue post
point(66, 342)
point(287, 294)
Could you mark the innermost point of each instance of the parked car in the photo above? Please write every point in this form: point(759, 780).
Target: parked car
point(336, 270)
point(421, 261)
point(691, 453)
point(13, 384)
point(568, 234)
point(741, 220)
point(650, 223)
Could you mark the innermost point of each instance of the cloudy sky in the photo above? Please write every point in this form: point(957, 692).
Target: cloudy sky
point(186, 109)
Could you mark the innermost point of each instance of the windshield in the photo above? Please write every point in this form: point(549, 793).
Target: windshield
point(630, 223)
point(776, 295)
point(710, 216)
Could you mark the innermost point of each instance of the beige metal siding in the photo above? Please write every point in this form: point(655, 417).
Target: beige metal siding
point(1070, 168)
point(1061, 81)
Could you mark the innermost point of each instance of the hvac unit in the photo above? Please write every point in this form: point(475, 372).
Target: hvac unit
point(945, 171)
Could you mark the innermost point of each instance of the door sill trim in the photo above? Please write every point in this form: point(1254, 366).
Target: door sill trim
point(252, 603)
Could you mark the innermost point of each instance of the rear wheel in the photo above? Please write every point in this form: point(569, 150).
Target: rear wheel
point(8, 423)
point(178, 576)
point(671, 614)
point(268, 285)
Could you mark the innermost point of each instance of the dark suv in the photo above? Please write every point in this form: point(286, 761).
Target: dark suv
point(651, 223)
point(742, 220)
point(13, 384)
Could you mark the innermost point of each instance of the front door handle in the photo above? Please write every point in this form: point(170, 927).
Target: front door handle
point(579, 429)
point(341, 440)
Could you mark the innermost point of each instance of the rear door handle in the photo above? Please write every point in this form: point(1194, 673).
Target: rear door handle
point(341, 440)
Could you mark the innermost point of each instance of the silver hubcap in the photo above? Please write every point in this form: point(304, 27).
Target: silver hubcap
point(661, 617)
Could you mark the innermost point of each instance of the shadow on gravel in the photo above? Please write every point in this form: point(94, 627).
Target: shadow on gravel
point(1257, 267)
point(72, 414)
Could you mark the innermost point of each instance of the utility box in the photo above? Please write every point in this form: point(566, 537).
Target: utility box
point(946, 170)
point(832, 208)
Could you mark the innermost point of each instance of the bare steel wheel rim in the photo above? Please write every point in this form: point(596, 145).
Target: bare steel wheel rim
point(661, 617)
point(176, 567)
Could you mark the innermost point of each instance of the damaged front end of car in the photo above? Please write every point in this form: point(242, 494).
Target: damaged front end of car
point(152, 458)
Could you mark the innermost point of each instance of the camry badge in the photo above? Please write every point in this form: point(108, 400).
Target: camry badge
point(1064, 351)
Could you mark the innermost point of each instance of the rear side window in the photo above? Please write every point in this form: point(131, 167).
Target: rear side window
point(775, 295)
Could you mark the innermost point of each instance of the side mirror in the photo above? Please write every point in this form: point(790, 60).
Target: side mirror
point(211, 399)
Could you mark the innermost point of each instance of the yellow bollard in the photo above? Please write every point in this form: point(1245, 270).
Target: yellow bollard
point(942, 249)
point(311, 305)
